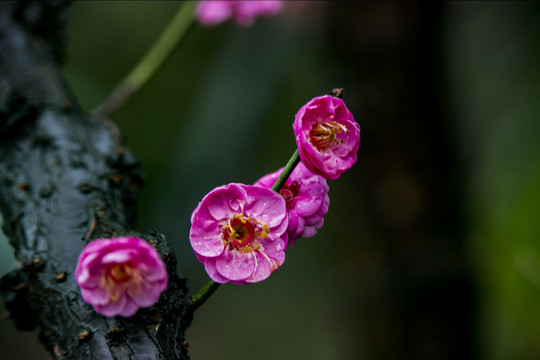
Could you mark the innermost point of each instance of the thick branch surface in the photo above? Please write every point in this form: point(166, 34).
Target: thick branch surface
point(65, 179)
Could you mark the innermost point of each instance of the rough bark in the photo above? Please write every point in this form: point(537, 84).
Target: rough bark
point(66, 179)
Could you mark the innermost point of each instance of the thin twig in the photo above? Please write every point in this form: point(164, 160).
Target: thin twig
point(204, 293)
point(287, 171)
point(169, 40)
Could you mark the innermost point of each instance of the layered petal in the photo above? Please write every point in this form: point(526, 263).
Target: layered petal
point(210, 267)
point(118, 276)
point(327, 136)
point(306, 196)
point(236, 265)
point(244, 220)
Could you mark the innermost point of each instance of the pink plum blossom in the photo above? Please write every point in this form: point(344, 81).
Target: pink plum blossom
point(244, 12)
point(239, 233)
point(120, 275)
point(306, 196)
point(327, 136)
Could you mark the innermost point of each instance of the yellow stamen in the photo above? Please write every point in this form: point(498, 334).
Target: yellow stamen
point(324, 134)
point(120, 279)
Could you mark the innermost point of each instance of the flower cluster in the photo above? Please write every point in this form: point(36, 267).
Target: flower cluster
point(244, 12)
point(306, 195)
point(239, 233)
point(120, 275)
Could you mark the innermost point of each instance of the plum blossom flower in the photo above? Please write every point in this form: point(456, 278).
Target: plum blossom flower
point(327, 136)
point(244, 12)
point(120, 275)
point(238, 232)
point(306, 196)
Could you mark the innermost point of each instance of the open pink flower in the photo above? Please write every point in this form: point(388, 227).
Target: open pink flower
point(214, 12)
point(327, 136)
point(120, 275)
point(306, 196)
point(238, 232)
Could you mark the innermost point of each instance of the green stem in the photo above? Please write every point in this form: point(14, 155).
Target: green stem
point(169, 40)
point(287, 170)
point(204, 293)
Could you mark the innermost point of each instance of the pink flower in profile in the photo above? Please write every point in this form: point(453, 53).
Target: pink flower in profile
point(120, 275)
point(327, 136)
point(238, 232)
point(306, 196)
point(214, 12)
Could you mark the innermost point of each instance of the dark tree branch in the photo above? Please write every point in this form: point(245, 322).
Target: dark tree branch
point(66, 179)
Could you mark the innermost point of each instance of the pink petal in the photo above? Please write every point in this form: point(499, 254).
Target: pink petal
point(310, 199)
point(111, 308)
point(293, 222)
point(153, 273)
point(213, 12)
point(130, 308)
point(119, 256)
point(223, 202)
point(262, 271)
point(236, 265)
point(146, 296)
point(266, 205)
point(298, 231)
point(88, 277)
point(210, 267)
point(309, 231)
point(206, 244)
point(96, 296)
point(275, 250)
point(205, 234)
point(268, 181)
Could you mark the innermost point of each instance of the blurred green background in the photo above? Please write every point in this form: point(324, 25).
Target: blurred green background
point(431, 247)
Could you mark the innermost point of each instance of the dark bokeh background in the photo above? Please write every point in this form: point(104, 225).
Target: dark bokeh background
point(431, 247)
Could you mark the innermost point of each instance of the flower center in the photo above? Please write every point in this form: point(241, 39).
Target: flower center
point(242, 233)
point(325, 134)
point(289, 193)
point(121, 278)
point(121, 272)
